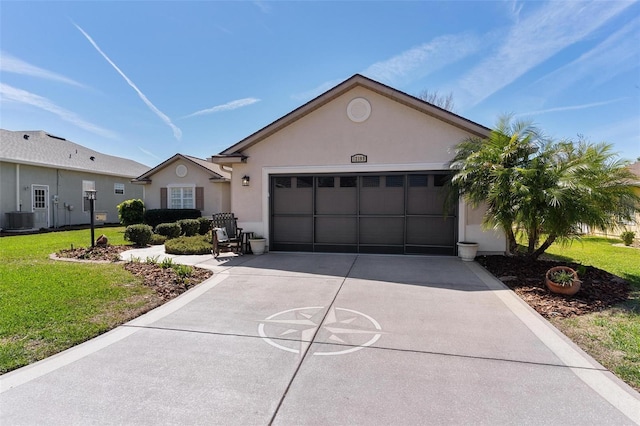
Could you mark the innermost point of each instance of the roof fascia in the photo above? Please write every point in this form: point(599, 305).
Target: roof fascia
point(146, 176)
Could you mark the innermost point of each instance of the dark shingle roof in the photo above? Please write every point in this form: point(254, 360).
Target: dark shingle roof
point(42, 149)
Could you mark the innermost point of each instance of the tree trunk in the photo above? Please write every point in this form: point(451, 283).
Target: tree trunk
point(512, 244)
point(547, 243)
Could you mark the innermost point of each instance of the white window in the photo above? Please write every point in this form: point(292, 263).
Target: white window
point(181, 197)
point(118, 188)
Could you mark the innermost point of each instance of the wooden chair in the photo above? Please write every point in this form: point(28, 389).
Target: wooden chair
point(225, 234)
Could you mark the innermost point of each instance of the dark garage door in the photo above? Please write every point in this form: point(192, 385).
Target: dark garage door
point(365, 213)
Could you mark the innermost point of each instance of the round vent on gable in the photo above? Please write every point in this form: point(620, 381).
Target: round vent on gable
point(181, 170)
point(358, 110)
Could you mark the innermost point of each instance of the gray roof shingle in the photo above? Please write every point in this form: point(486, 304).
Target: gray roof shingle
point(42, 149)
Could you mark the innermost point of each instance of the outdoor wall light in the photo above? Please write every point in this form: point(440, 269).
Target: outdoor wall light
point(245, 180)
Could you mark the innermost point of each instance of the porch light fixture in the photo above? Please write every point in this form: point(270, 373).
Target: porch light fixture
point(245, 180)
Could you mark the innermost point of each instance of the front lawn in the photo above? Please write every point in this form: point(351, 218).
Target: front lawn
point(48, 306)
point(611, 336)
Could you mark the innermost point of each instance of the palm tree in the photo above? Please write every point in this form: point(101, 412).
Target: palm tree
point(488, 172)
point(541, 188)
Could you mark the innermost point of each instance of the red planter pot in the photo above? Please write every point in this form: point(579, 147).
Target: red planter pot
point(560, 289)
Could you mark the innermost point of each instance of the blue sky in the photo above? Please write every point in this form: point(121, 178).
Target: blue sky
point(145, 80)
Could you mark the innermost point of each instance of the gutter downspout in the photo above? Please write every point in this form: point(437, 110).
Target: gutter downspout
point(18, 203)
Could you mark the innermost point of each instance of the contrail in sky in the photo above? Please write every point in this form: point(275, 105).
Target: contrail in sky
point(176, 131)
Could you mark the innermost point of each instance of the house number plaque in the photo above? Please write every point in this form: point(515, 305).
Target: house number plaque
point(358, 158)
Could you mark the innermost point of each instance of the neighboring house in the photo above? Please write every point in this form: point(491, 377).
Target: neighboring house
point(361, 169)
point(45, 176)
point(185, 182)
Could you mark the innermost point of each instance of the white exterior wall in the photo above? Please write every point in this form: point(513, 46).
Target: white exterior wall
point(395, 138)
point(216, 194)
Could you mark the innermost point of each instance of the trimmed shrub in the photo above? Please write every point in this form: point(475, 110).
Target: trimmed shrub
point(154, 217)
point(190, 227)
point(157, 240)
point(205, 225)
point(139, 234)
point(131, 212)
point(169, 230)
point(188, 245)
point(627, 237)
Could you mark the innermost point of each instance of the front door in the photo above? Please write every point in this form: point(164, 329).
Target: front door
point(40, 205)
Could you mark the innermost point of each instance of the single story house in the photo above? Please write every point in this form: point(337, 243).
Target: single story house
point(186, 182)
point(43, 179)
point(358, 169)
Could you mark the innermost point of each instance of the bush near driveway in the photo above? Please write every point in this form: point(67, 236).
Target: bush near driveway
point(188, 245)
point(169, 230)
point(139, 235)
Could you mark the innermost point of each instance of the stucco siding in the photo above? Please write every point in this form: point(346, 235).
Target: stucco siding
point(395, 137)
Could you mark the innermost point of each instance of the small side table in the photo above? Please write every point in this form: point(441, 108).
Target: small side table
point(246, 247)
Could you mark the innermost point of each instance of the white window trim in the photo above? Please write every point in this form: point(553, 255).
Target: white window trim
point(119, 185)
point(180, 185)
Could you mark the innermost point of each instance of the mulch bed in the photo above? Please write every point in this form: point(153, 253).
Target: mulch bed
point(525, 276)
point(164, 281)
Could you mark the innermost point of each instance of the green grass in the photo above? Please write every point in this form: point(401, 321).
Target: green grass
point(48, 306)
point(601, 253)
point(612, 336)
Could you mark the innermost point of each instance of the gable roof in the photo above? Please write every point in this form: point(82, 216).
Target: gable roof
point(356, 81)
point(39, 148)
point(214, 170)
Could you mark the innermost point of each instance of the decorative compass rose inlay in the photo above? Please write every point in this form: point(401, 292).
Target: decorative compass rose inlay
point(292, 330)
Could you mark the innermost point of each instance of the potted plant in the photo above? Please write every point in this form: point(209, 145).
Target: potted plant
point(258, 244)
point(467, 250)
point(562, 280)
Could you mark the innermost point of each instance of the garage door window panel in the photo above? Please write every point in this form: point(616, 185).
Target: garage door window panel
point(292, 199)
point(384, 199)
point(335, 199)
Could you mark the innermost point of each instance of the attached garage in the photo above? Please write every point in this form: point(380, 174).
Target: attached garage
point(362, 213)
point(359, 169)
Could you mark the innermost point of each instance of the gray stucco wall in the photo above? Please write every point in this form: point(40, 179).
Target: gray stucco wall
point(67, 186)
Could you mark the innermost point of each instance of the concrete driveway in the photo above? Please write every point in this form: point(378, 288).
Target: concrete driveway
point(326, 339)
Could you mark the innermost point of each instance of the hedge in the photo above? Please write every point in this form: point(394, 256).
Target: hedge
point(190, 227)
point(188, 245)
point(154, 217)
point(139, 234)
point(169, 230)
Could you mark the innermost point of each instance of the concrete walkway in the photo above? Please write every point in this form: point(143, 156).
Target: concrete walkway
point(326, 339)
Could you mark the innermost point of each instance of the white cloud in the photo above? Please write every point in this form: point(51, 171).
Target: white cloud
point(263, 6)
point(9, 63)
point(615, 55)
point(177, 133)
point(569, 107)
point(316, 91)
point(225, 107)
point(12, 94)
point(149, 153)
point(534, 39)
point(424, 59)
